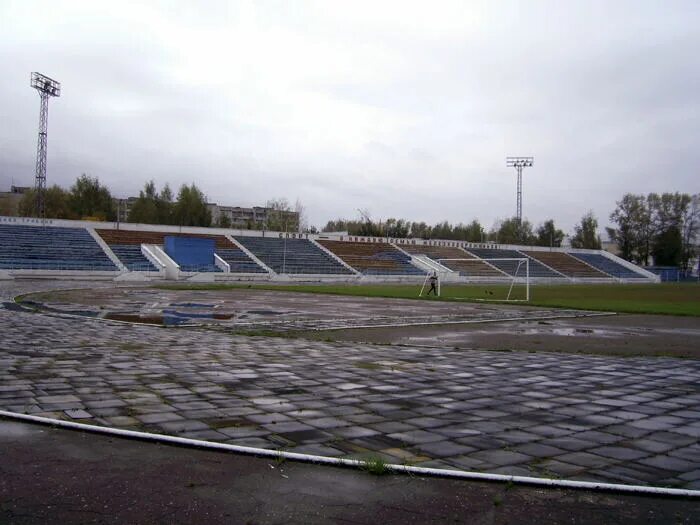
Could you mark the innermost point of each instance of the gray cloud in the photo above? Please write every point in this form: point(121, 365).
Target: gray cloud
point(397, 108)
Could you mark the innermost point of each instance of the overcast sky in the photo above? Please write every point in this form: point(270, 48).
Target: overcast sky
point(403, 109)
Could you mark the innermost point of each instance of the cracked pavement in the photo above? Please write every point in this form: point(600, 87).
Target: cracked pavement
point(585, 417)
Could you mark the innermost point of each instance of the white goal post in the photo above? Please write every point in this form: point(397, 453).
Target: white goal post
point(520, 275)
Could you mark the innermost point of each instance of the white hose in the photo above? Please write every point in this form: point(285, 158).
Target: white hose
point(310, 458)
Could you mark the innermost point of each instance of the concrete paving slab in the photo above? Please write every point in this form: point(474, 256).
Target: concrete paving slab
point(459, 407)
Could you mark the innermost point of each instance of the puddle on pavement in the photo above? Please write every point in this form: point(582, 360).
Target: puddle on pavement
point(194, 305)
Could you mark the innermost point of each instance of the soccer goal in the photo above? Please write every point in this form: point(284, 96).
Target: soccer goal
point(495, 279)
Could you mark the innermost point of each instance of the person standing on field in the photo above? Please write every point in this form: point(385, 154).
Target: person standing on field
point(433, 284)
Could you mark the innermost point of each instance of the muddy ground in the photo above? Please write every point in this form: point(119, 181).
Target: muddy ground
point(622, 335)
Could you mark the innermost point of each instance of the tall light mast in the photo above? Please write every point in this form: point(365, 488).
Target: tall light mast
point(519, 163)
point(47, 87)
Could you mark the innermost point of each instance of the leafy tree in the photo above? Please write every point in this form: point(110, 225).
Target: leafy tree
point(365, 228)
point(630, 215)
point(224, 221)
point(56, 205)
point(667, 249)
point(513, 231)
point(396, 228)
point(337, 225)
point(280, 216)
point(472, 232)
point(191, 207)
point(164, 206)
point(442, 230)
point(586, 233)
point(152, 207)
point(652, 225)
point(548, 235)
point(145, 210)
point(89, 199)
point(690, 229)
point(668, 211)
point(302, 218)
point(56, 202)
point(420, 230)
point(6, 207)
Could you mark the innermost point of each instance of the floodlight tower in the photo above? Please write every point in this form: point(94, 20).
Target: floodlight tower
point(47, 87)
point(519, 163)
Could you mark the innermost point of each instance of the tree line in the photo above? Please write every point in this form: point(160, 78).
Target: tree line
point(662, 226)
point(88, 199)
point(509, 231)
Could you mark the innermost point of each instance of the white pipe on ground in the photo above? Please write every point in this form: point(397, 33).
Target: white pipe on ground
point(309, 458)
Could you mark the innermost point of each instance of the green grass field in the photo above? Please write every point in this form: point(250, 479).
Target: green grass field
point(665, 298)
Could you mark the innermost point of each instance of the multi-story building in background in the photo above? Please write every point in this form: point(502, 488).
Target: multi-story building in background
point(236, 217)
point(255, 218)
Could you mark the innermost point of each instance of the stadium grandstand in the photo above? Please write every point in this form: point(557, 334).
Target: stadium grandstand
point(565, 264)
point(375, 258)
point(292, 256)
point(512, 267)
point(128, 243)
point(51, 248)
point(609, 266)
point(455, 259)
point(57, 248)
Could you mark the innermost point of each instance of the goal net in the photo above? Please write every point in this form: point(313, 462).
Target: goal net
point(495, 279)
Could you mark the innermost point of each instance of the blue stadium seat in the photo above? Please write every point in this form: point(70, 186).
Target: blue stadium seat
point(537, 269)
point(373, 258)
point(239, 261)
point(295, 256)
point(130, 255)
point(608, 266)
point(51, 248)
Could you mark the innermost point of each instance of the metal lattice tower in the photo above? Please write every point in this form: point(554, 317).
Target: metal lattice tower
point(519, 163)
point(47, 87)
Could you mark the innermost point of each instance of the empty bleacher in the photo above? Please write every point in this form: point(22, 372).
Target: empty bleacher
point(127, 243)
point(564, 263)
point(292, 256)
point(377, 258)
point(50, 248)
point(471, 268)
point(537, 269)
point(130, 256)
point(239, 261)
point(608, 265)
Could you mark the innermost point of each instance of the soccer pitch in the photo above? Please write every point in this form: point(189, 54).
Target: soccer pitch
point(663, 298)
